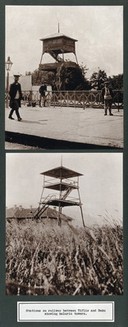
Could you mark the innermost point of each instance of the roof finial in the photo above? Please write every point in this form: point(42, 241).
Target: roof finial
point(58, 27)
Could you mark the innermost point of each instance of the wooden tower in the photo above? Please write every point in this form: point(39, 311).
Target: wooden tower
point(57, 45)
point(62, 181)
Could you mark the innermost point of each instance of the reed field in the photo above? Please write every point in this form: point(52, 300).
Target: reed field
point(45, 259)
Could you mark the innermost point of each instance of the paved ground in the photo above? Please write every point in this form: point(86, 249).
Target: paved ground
point(16, 146)
point(74, 125)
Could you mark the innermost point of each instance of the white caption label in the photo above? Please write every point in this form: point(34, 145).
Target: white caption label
point(73, 311)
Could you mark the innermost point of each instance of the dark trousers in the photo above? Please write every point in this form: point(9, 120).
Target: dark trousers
point(107, 105)
point(15, 107)
point(42, 97)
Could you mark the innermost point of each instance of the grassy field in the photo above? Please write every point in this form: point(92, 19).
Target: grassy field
point(49, 260)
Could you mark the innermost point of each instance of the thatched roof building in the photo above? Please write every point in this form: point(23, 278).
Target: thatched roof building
point(20, 214)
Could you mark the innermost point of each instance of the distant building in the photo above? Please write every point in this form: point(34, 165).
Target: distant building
point(25, 81)
point(22, 214)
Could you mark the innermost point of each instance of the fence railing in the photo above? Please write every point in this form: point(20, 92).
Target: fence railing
point(82, 99)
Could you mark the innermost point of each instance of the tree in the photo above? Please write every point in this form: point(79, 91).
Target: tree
point(37, 77)
point(84, 69)
point(64, 78)
point(72, 78)
point(97, 79)
point(116, 81)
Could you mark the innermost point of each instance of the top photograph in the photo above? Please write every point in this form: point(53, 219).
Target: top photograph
point(64, 77)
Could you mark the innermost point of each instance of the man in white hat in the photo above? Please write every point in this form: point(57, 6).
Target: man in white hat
point(107, 96)
point(15, 97)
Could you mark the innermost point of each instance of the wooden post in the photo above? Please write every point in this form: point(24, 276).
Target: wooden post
point(82, 216)
point(7, 90)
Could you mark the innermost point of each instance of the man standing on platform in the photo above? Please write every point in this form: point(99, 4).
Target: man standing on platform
point(42, 91)
point(107, 96)
point(15, 98)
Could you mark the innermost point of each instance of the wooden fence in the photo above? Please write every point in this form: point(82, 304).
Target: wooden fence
point(82, 99)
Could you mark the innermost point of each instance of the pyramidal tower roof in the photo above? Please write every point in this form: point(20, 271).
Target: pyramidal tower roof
point(61, 172)
point(57, 35)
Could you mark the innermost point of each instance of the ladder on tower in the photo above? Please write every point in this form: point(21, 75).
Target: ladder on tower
point(65, 195)
point(40, 210)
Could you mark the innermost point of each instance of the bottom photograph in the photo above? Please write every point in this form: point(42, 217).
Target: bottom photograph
point(64, 224)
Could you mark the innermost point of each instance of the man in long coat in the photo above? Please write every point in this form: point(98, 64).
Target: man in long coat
point(15, 98)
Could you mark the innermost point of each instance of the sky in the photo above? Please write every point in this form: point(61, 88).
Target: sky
point(98, 29)
point(101, 186)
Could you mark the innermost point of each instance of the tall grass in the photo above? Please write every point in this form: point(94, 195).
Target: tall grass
point(49, 260)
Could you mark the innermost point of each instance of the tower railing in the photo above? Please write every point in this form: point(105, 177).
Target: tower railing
point(52, 182)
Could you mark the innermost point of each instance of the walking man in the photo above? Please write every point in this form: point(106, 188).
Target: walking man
point(107, 96)
point(15, 98)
